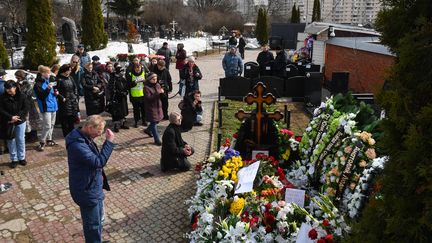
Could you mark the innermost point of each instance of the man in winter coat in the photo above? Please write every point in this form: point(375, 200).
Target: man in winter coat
point(166, 52)
point(164, 79)
point(47, 101)
point(232, 40)
point(280, 62)
point(174, 149)
point(232, 63)
point(241, 46)
point(83, 55)
point(86, 175)
point(263, 59)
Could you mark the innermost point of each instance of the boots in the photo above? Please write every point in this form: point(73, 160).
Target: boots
point(115, 129)
point(124, 126)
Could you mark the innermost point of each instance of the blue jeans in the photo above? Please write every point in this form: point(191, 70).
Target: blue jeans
point(92, 222)
point(17, 145)
point(153, 129)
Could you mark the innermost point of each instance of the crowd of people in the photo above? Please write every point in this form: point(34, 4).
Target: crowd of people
point(31, 107)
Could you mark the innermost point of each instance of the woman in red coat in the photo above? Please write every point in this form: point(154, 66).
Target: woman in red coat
point(153, 108)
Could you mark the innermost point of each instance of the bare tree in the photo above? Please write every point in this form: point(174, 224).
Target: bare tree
point(207, 5)
point(14, 8)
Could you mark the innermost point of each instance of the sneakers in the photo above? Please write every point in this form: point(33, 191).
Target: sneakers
point(51, 143)
point(22, 162)
point(13, 164)
point(40, 147)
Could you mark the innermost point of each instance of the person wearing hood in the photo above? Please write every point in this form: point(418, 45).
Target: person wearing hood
point(153, 108)
point(86, 174)
point(13, 112)
point(174, 149)
point(68, 99)
point(94, 91)
point(32, 120)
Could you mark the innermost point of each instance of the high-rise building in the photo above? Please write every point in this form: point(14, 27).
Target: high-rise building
point(344, 11)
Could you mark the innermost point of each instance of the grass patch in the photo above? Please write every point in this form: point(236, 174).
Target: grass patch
point(230, 124)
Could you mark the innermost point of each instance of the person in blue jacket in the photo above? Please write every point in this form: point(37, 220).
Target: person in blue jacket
point(46, 93)
point(232, 63)
point(86, 175)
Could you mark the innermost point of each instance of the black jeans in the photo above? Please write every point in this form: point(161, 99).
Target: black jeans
point(138, 109)
point(67, 124)
point(164, 100)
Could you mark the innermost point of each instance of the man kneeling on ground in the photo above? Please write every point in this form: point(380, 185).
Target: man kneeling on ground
point(174, 149)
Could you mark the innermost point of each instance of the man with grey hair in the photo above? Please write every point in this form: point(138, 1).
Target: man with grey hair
point(86, 175)
point(174, 149)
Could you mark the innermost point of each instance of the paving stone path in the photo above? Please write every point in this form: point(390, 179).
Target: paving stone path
point(144, 205)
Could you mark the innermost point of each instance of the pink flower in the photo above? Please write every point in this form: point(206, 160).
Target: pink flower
point(348, 149)
point(370, 153)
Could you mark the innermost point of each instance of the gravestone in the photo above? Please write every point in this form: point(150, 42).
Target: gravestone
point(291, 70)
point(234, 88)
point(258, 131)
point(310, 67)
point(267, 70)
point(294, 87)
point(69, 33)
point(251, 70)
point(312, 88)
point(274, 84)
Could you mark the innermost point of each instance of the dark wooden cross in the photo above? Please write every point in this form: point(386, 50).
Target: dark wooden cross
point(259, 99)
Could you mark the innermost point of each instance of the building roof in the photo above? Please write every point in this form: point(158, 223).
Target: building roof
point(369, 44)
point(316, 28)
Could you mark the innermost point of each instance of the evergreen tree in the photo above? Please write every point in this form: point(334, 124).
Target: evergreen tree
point(262, 27)
point(294, 14)
point(402, 210)
point(4, 58)
point(41, 40)
point(316, 12)
point(126, 8)
point(92, 23)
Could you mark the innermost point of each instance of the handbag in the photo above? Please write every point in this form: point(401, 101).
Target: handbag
point(10, 131)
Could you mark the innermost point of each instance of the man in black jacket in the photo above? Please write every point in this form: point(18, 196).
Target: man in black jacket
point(166, 52)
point(264, 58)
point(174, 149)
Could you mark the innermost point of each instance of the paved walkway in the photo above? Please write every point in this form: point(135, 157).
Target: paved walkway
point(144, 205)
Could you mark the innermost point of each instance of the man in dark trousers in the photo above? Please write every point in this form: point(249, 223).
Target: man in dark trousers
point(241, 46)
point(174, 149)
point(264, 58)
point(86, 175)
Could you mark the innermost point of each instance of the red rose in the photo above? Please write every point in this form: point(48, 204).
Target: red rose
point(298, 138)
point(268, 206)
point(329, 238)
point(321, 240)
point(235, 135)
point(290, 133)
point(313, 234)
point(269, 229)
point(325, 222)
point(194, 226)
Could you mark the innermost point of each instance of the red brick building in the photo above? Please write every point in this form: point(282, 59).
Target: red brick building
point(363, 57)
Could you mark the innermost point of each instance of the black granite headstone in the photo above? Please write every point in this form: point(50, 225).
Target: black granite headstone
point(294, 87)
point(234, 88)
point(251, 70)
point(267, 70)
point(291, 70)
point(274, 85)
point(313, 86)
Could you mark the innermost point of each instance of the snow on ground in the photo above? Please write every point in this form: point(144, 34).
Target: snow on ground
point(113, 48)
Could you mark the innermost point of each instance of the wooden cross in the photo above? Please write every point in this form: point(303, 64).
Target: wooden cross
point(259, 99)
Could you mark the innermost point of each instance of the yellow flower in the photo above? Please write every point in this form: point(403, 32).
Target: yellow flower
point(237, 205)
point(220, 173)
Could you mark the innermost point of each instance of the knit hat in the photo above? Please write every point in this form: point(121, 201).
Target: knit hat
point(191, 59)
point(95, 58)
point(150, 76)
